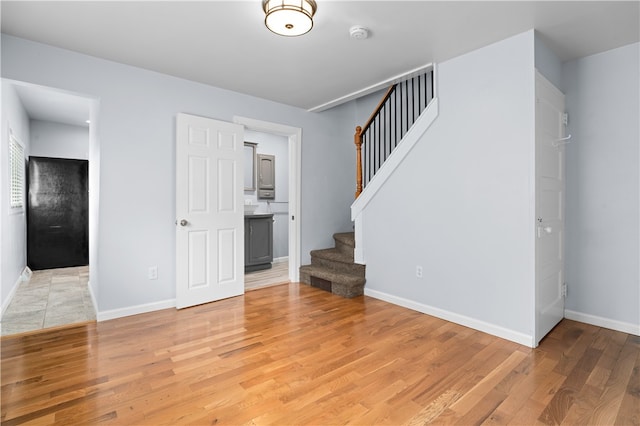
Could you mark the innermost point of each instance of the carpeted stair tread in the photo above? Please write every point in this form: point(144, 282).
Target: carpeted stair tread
point(333, 276)
point(333, 255)
point(334, 270)
point(345, 242)
point(337, 261)
point(346, 238)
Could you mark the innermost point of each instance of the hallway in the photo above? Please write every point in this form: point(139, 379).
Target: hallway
point(51, 298)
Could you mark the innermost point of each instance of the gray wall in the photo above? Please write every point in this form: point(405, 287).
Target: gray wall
point(461, 204)
point(59, 140)
point(601, 252)
point(136, 130)
point(467, 220)
point(13, 226)
point(603, 184)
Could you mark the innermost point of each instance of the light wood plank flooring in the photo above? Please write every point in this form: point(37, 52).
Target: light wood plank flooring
point(277, 274)
point(293, 354)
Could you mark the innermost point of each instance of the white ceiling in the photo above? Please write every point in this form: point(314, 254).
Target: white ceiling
point(225, 44)
point(54, 105)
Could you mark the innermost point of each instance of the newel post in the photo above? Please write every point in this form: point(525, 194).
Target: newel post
point(358, 141)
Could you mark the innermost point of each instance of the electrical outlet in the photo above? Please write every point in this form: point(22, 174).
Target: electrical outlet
point(418, 271)
point(153, 273)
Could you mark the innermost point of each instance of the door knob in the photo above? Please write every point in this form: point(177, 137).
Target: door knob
point(183, 222)
point(545, 229)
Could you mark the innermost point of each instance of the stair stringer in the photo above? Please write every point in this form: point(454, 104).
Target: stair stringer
point(409, 140)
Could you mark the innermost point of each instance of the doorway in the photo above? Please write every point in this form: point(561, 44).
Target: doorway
point(276, 149)
point(293, 136)
point(60, 124)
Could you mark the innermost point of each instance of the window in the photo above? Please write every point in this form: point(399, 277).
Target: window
point(16, 167)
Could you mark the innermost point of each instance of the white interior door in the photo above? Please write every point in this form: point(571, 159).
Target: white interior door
point(209, 210)
point(550, 197)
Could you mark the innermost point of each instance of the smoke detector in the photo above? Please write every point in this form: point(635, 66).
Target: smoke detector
point(358, 32)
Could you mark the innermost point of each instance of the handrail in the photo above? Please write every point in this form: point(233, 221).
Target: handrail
point(358, 137)
point(358, 141)
point(396, 112)
point(386, 96)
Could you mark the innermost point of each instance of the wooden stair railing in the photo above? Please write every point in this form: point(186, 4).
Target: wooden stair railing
point(358, 141)
point(396, 112)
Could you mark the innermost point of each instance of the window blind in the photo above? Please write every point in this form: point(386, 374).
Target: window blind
point(16, 166)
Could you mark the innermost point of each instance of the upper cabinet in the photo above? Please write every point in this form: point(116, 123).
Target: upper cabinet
point(266, 176)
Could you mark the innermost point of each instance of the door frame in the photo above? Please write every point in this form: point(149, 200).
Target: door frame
point(90, 109)
point(294, 136)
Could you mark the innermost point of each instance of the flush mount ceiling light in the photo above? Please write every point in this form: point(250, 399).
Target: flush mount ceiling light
point(289, 17)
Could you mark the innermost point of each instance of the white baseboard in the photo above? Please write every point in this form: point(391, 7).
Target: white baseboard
point(12, 292)
point(26, 274)
point(485, 327)
point(281, 259)
point(623, 327)
point(94, 302)
point(135, 310)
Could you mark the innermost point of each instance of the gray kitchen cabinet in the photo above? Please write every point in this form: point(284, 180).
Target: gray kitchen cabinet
point(258, 242)
point(266, 176)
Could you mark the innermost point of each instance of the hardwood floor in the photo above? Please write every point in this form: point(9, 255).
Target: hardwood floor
point(293, 354)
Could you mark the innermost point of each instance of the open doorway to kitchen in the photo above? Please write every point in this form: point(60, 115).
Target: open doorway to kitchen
point(269, 205)
point(284, 142)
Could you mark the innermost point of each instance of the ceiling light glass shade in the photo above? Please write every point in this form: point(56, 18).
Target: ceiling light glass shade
point(289, 17)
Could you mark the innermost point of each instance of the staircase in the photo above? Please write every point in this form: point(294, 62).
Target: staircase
point(395, 115)
point(334, 270)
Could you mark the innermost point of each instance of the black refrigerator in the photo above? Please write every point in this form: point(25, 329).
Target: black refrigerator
point(57, 213)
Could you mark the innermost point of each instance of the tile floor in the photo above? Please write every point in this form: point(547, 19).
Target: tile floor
point(50, 298)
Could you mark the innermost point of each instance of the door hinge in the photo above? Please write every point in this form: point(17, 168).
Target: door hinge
point(564, 289)
point(565, 118)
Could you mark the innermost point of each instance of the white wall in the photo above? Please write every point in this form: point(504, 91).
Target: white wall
point(548, 63)
point(277, 146)
point(461, 204)
point(59, 140)
point(603, 188)
point(13, 227)
point(136, 132)
point(365, 106)
point(329, 170)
